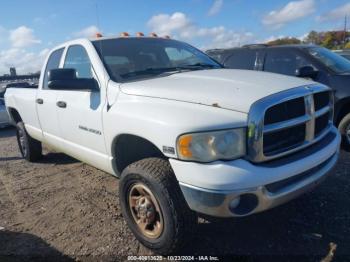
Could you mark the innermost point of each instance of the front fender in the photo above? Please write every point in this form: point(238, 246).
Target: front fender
point(161, 121)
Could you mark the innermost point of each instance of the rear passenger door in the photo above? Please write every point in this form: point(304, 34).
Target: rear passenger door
point(242, 59)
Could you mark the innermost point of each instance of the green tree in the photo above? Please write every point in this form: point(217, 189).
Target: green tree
point(313, 38)
point(284, 41)
point(329, 40)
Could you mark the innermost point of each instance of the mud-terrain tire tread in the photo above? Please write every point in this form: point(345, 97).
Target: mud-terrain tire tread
point(159, 171)
point(34, 147)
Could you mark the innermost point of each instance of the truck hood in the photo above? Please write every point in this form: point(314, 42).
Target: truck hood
point(225, 88)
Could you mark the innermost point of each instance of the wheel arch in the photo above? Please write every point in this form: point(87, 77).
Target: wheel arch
point(129, 148)
point(14, 115)
point(342, 109)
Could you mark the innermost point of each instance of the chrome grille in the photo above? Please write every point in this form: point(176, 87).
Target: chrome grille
point(289, 121)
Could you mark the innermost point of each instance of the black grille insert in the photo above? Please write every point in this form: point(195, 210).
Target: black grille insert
point(321, 100)
point(285, 111)
point(284, 140)
point(321, 124)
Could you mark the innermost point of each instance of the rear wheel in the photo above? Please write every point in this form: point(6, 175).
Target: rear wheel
point(344, 129)
point(30, 149)
point(153, 206)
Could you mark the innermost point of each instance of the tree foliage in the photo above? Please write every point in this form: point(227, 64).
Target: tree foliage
point(328, 39)
point(284, 41)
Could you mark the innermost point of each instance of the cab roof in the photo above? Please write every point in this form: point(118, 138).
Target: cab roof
point(262, 46)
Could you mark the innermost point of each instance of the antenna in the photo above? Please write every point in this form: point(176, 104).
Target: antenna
point(105, 74)
point(97, 16)
point(98, 26)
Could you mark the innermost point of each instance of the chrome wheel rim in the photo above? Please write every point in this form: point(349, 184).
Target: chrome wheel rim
point(145, 211)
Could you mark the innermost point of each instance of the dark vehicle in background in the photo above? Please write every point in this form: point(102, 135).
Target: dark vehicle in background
point(344, 53)
point(308, 61)
point(17, 85)
point(4, 117)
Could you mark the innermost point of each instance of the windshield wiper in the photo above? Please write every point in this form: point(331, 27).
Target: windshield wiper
point(198, 66)
point(150, 71)
point(162, 70)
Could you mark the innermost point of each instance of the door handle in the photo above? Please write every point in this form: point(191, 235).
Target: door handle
point(61, 104)
point(39, 101)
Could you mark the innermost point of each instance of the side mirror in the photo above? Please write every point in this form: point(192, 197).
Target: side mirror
point(66, 79)
point(306, 71)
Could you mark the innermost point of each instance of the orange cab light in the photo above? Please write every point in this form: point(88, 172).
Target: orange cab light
point(167, 37)
point(98, 35)
point(139, 34)
point(124, 34)
point(153, 34)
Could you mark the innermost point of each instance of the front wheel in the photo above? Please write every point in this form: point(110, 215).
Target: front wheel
point(344, 129)
point(30, 149)
point(154, 207)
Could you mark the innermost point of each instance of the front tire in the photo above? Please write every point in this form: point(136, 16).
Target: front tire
point(154, 207)
point(30, 149)
point(344, 129)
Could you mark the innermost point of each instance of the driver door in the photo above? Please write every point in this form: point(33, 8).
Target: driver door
point(80, 112)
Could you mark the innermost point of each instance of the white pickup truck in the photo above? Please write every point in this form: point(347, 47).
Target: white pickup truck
point(185, 135)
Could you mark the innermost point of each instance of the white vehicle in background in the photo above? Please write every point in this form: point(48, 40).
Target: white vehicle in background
point(185, 135)
point(4, 117)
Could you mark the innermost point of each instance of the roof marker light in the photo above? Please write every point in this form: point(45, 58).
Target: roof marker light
point(153, 34)
point(166, 37)
point(139, 34)
point(98, 35)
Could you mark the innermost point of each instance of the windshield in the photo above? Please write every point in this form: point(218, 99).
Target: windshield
point(133, 58)
point(335, 62)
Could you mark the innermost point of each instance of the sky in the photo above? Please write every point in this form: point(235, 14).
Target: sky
point(29, 29)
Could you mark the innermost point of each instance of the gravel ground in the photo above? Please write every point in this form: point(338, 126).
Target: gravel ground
point(62, 209)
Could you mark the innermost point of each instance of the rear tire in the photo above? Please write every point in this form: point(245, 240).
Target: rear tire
point(30, 149)
point(344, 129)
point(171, 227)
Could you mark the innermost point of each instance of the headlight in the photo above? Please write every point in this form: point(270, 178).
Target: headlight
point(211, 146)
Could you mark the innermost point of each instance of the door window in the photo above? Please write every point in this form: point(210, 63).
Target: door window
point(78, 59)
point(52, 63)
point(284, 62)
point(242, 59)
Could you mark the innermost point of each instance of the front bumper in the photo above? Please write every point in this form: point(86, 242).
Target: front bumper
point(250, 188)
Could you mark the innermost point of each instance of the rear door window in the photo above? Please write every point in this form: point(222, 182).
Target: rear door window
point(242, 59)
